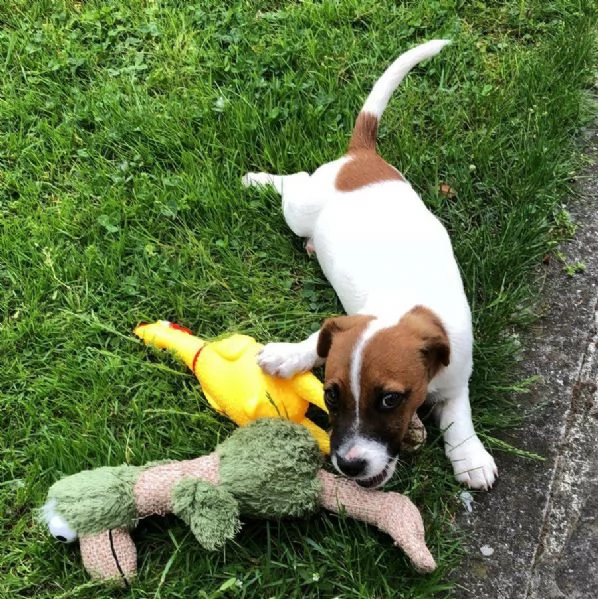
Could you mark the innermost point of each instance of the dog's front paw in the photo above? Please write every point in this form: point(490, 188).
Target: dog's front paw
point(286, 359)
point(473, 465)
point(256, 179)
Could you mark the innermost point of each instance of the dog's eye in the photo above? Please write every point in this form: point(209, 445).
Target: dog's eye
point(331, 398)
point(391, 400)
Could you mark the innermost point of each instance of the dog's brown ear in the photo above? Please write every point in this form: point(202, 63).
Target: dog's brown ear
point(437, 353)
point(339, 324)
point(435, 348)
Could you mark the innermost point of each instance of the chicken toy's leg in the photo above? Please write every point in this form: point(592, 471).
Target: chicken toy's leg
point(310, 388)
point(391, 512)
point(321, 436)
point(109, 555)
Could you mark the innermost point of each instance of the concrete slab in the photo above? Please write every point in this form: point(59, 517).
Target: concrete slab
point(541, 519)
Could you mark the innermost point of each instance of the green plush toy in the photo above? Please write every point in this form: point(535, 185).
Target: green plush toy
point(269, 469)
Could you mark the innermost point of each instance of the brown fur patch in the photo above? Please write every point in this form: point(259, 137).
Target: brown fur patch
point(436, 347)
point(364, 133)
point(392, 362)
point(337, 341)
point(402, 358)
point(365, 166)
point(350, 326)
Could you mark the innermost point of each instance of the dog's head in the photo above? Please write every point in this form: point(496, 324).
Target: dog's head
point(377, 375)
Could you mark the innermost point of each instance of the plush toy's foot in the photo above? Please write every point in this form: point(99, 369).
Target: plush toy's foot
point(109, 555)
point(391, 512)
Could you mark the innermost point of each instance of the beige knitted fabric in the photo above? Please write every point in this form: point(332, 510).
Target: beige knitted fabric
point(109, 554)
point(391, 512)
point(153, 490)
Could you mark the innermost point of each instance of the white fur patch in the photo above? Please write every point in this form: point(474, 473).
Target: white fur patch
point(357, 447)
point(373, 327)
point(391, 78)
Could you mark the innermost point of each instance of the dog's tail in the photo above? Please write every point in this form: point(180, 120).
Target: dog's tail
point(366, 126)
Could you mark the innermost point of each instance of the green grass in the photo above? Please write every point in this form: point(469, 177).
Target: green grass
point(124, 131)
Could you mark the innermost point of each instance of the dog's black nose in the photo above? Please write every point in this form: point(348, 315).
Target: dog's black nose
point(351, 467)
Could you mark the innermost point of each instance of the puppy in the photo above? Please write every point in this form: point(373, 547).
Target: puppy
point(407, 335)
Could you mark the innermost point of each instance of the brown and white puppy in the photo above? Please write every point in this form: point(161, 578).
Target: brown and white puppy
point(408, 332)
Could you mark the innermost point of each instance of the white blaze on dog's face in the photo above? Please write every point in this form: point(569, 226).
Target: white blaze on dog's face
point(377, 375)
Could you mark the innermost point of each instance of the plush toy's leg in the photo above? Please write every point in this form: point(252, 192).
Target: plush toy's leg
point(319, 435)
point(391, 512)
point(109, 555)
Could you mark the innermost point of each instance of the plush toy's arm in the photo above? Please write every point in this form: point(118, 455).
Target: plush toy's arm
point(391, 512)
point(415, 436)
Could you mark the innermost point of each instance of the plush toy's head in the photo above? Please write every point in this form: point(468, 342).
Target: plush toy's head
point(271, 468)
point(92, 501)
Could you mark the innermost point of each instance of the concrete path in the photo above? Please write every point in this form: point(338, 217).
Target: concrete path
point(541, 520)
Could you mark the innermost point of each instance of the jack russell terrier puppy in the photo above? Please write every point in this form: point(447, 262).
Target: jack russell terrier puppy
point(408, 333)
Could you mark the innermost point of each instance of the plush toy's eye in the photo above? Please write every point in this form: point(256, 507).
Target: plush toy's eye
point(331, 398)
point(389, 401)
point(60, 530)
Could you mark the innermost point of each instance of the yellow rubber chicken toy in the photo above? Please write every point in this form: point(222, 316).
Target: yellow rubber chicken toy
point(232, 381)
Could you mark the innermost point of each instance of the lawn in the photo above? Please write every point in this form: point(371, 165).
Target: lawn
point(124, 131)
